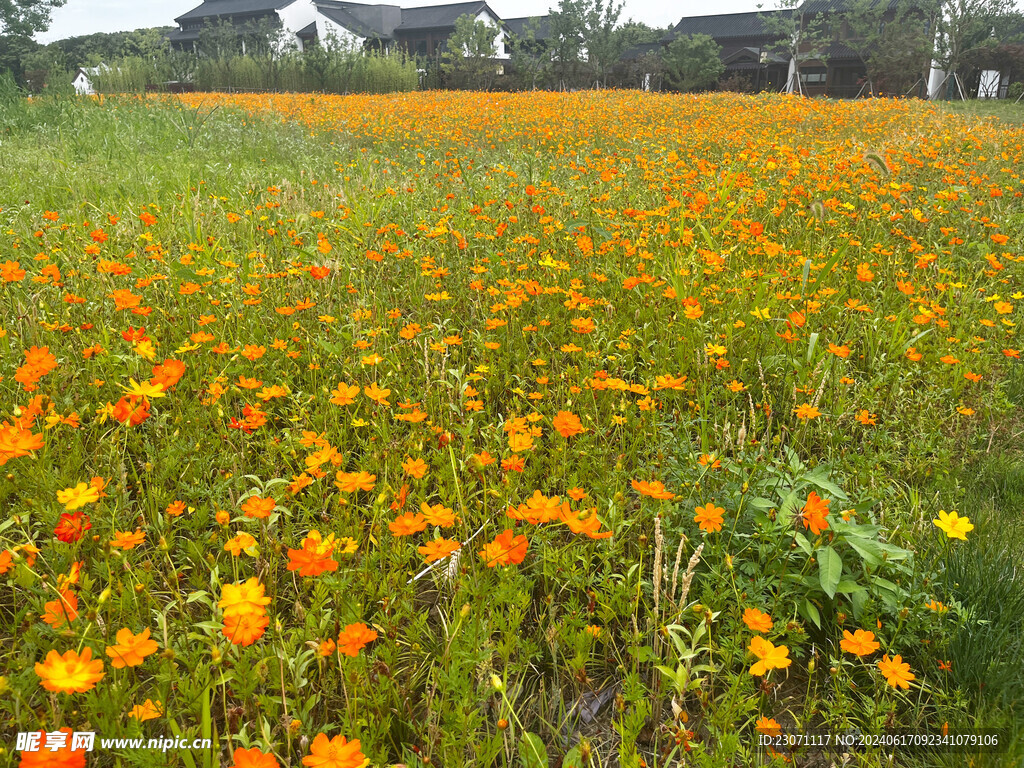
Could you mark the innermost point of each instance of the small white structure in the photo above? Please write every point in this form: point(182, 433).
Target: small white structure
point(83, 80)
point(988, 87)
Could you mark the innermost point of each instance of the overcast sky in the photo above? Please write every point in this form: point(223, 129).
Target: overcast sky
point(83, 17)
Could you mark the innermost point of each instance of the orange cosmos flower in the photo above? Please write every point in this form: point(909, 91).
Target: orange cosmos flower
point(258, 507)
point(769, 656)
point(350, 482)
point(344, 394)
point(539, 509)
point(654, 489)
point(335, 753)
point(896, 672)
point(438, 514)
point(254, 758)
point(843, 351)
point(408, 524)
point(378, 395)
point(568, 424)
point(62, 610)
point(354, 638)
point(126, 540)
point(246, 629)
point(805, 412)
point(815, 511)
point(415, 468)
point(72, 527)
point(70, 673)
point(585, 521)
point(710, 517)
point(148, 710)
point(859, 643)
point(438, 549)
point(506, 549)
point(243, 598)
point(757, 620)
point(315, 556)
point(63, 757)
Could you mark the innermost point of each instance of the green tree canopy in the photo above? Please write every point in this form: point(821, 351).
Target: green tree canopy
point(693, 63)
point(26, 17)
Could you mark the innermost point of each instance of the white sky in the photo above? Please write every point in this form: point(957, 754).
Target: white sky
point(83, 17)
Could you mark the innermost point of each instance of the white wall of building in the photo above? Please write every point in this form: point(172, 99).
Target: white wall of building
point(501, 39)
point(326, 28)
point(296, 16)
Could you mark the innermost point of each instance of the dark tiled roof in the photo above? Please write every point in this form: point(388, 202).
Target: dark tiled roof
point(232, 8)
point(374, 21)
point(518, 25)
point(307, 31)
point(726, 25)
point(438, 16)
point(842, 6)
point(640, 50)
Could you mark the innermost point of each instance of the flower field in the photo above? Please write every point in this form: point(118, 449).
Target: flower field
point(536, 429)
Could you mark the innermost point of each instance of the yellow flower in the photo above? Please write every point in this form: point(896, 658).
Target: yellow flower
point(79, 496)
point(954, 526)
point(70, 673)
point(769, 656)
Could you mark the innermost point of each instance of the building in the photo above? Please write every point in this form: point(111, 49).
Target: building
point(749, 44)
point(419, 31)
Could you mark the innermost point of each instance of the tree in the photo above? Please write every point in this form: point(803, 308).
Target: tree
point(26, 17)
point(693, 63)
point(585, 40)
point(801, 36)
point(962, 28)
point(468, 58)
point(530, 57)
point(892, 41)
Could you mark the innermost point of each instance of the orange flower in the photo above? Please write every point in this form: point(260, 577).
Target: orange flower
point(148, 710)
point(354, 638)
point(246, 629)
point(125, 540)
point(71, 673)
point(377, 394)
point(243, 598)
point(506, 549)
point(539, 509)
point(757, 620)
point(335, 753)
point(61, 611)
point(407, 524)
point(350, 482)
point(896, 672)
point(131, 650)
point(815, 511)
point(438, 549)
point(585, 521)
point(315, 556)
point(655, 489)
point(344, 394)
point(258, 507)
point(568, 424)
point(62, 757)
point(710, 517)
point(438, 514)
point(769, 656)
point(805, 412)
point(254, 758)
point(415, 468)
point(860, 643)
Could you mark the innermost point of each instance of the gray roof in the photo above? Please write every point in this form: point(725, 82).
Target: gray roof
point(439, 16)
point(726, 25)
point(373, 21)
point(518, 25)
point(640, 50)
point(213, 8)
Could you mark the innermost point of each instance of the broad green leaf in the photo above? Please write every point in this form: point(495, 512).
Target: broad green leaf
point(809, 611)
point(830, 569)
point(870, 551)
point(532, 753)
